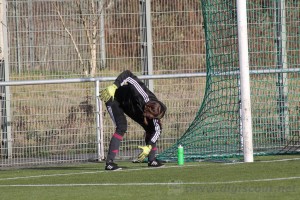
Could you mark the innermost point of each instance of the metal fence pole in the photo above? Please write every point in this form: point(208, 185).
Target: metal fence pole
point(5, 91)
point(102, 36)
point(146, 40)
point(280, 23)
point(31, 34)
point(99, 124)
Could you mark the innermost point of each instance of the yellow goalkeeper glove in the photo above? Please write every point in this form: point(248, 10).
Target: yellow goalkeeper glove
point(144, 153)
point(108, 93)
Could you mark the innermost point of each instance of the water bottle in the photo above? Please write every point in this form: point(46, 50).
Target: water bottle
point(180, 155)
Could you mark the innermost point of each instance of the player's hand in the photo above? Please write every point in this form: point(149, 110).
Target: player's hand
point(108, 93)
point(144, 153)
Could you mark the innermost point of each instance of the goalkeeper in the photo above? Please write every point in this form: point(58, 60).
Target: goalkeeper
point(129, 95)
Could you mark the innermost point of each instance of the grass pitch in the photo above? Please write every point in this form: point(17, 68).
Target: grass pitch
point(275, 177)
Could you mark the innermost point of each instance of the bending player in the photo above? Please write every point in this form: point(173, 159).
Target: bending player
point(129, 95)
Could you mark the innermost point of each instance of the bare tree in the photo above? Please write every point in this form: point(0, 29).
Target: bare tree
point(90, 26)
point(89, 18)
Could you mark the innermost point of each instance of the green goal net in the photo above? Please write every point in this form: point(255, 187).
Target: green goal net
point(274, 59)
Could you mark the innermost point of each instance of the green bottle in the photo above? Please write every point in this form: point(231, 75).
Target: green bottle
point(180, 155)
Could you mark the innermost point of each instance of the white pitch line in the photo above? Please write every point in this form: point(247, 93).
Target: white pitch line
point(96, 172)
point(265, 161)
point(128, 170)
point(47, 175)
point(155, 184)
point(283, 160)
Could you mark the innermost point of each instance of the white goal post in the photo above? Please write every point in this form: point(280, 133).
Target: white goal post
point(245, 81)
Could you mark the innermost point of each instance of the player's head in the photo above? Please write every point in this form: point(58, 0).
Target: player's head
point(154, 110)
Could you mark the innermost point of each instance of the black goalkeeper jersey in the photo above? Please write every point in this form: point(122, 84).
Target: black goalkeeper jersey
point(132, 94)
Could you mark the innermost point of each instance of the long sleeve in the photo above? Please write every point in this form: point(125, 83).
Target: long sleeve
point(124, 78)
point(140, 91)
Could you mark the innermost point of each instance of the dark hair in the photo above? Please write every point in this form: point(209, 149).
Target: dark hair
point(154, 109)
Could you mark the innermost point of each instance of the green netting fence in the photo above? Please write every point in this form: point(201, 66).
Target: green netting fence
point(274, 59)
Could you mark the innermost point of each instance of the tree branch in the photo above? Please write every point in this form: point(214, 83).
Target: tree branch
point(70, 34)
